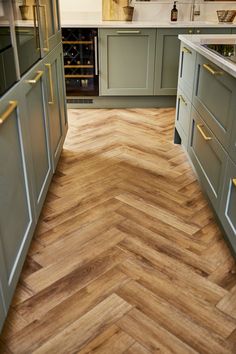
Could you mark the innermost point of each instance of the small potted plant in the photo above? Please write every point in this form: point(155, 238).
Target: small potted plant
point(128, 11)
point(24, 10)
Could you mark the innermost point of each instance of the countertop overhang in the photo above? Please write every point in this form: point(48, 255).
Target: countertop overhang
point(196, 42)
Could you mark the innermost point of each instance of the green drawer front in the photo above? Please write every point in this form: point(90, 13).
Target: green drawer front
point(186, 69)
point(214, 98)
point(228, 209)
point(183, 112)
point(208, 157)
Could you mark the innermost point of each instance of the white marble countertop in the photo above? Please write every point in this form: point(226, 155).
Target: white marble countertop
point(75, 19)
point(196, 42)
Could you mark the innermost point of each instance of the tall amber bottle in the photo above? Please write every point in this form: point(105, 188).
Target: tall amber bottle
point(174, 13)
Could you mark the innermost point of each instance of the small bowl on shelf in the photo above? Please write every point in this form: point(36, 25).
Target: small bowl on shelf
point(226, 16)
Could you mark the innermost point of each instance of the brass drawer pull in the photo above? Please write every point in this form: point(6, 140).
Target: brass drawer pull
point(186, 50)
point(183, 100)
point(36, 79)
point(51, 84)
point(234, 182)
point(8, 112)
point(211, 70)
point(128, 32)
point(205, 137)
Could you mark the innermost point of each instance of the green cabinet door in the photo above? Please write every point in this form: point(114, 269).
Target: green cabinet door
point(49, 24)
point(167, 60)
point(233, 30)
point(126, 61)
point(183, 116)
point(16, 217)
point(55, 102)
point(208, 157)
point(38, 134)
point(214, 98)
point(186, 69)
point(228, 209)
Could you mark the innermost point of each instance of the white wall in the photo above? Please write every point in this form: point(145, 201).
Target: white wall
point(154, 11)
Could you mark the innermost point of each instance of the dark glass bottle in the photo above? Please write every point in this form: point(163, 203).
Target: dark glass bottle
point(174, 13)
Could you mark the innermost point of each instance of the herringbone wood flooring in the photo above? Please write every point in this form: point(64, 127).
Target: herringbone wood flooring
point(127, 257)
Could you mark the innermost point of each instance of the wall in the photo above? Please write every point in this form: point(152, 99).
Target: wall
point(154, 11)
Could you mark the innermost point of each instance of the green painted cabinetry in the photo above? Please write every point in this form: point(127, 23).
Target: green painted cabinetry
point(55, 102)
point(186, 69)
point(38, 134)
point(167, 60)
point(127, 61)
point(214, 98)
point(208, 157)
point(182, 120)
point(228, 209)
point(232, 147)
point(16, 208)
point(167, 56)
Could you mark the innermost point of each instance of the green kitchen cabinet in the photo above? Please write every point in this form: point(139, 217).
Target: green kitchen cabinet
point(50, 33)
point(186, 69)
point(55, 102)
point(232, 146)
point(167, 60)
point(38, 133)
point(16, 216)
point(228, 209)
point(214, 98)
point(208, 157)
point(167, 56)
point(233, 30)
point(127, 61)
point(183, 116)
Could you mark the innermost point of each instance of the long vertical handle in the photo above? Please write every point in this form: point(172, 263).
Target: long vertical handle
point(96, 54)
point(51, 83)
point(44, 7)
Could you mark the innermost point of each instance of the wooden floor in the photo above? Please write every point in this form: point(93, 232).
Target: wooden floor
point(127, 257)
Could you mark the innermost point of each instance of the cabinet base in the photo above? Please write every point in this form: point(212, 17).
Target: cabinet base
point(122, 102)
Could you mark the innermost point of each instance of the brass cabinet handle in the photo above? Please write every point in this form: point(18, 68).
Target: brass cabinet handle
point(36, 79)
point(35, 17)
point(44, 7)
point(198, 31)
point(234, 182)
point(183, 100)
point(190, 31)
point(186, 50)
point(211, 70)
point(205, 137)
point(128, 32)
point(12, 106)
point(51, 84)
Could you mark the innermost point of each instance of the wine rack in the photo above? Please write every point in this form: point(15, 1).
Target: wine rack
point(80, 61)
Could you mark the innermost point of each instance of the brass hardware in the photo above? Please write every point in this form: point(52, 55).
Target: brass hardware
point(128, 32)
point(7, 113)
point(207, 138)
point(190, 31)
point(78, 76)
point(234, 182)
point(78, 66)
point(36, 79)
point(198, 31)
point(51, 84)
point(35, 26)
point(186, 50)
point(77, 42)
point(183, 100)
point(211, 70)
point(44, 7)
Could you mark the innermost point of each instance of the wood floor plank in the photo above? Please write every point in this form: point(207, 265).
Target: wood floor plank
point(87, 327)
